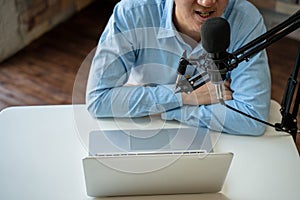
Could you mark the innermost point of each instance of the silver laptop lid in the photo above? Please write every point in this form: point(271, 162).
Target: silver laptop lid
point(153, 174)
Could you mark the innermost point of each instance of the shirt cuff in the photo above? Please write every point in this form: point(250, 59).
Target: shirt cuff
point(177, 95)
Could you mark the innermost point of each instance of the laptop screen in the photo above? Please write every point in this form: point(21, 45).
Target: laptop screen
point(149, 140)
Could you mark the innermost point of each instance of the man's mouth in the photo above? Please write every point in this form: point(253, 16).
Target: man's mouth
point(204, 14)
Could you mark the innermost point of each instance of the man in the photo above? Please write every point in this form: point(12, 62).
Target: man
point(134, 69)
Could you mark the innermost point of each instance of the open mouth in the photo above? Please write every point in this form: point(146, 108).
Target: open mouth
point(204, 14)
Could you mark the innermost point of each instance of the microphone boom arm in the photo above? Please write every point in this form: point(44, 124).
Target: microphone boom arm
point(265, 40)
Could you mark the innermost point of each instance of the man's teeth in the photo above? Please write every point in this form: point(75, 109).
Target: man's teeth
point(203, 14)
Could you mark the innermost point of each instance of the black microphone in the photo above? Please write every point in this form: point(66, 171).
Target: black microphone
point(215, 37)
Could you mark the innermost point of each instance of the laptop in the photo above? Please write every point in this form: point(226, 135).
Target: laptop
point(153, 162)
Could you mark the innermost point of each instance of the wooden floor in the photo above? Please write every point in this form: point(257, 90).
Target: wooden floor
point(45, 72)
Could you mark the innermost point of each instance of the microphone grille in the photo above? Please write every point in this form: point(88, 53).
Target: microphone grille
point(215, 35)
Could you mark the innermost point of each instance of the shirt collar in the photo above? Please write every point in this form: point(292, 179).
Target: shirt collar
point(167, 28)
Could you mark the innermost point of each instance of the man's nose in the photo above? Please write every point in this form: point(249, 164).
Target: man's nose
point(206, 3)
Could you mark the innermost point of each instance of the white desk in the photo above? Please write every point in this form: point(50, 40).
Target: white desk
point(41, 148)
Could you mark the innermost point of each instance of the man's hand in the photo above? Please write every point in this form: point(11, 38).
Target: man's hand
point(206, 94)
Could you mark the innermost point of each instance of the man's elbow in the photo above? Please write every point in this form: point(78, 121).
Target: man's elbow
point(93, 105)
point(98, 107)
point(251, 128)
point(256, 127)
point(91, 108)
point(258, 130)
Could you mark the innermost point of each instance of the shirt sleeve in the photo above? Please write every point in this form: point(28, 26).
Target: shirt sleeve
point(114, 58)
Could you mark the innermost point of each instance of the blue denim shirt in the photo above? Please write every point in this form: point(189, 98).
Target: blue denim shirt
point(140, 47)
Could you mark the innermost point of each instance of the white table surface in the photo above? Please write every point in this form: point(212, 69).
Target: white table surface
point(41, 151)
